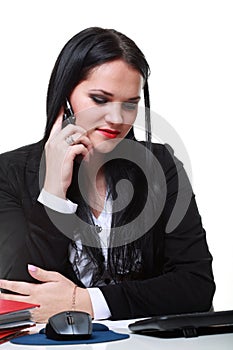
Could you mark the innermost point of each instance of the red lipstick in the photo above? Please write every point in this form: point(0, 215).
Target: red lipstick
point(111, 134)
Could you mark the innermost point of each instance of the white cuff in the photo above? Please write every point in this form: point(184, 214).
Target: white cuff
point(99, 304)
point(64, 206)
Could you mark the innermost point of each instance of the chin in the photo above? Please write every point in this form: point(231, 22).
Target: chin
point(106, 146)
point(104, 149)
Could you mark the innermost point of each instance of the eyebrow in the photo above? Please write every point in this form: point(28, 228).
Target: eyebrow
point(110, 94)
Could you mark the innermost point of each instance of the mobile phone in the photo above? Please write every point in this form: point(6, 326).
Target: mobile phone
point(68, 116)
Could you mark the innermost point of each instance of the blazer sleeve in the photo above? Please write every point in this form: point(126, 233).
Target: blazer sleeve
point(186, 283)
point(27, 235)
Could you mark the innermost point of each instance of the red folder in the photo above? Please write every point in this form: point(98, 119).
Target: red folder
point(14, 318)
point(7, 306)
point(13, 333)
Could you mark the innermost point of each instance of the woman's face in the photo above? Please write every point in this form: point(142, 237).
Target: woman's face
point(106, 103)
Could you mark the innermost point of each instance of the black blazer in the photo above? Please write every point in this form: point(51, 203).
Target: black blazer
point(183, 283)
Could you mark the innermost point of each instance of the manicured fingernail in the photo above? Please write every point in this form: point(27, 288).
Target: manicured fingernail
point(32, 268)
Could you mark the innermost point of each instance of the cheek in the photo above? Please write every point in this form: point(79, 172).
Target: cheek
point(89, 118)
point(79, 100)
point(129, 122)
point(81, 105)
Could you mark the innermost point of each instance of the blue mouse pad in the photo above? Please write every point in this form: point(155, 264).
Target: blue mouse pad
point(100, 334)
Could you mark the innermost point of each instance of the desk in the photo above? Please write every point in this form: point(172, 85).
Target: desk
point(139, 342)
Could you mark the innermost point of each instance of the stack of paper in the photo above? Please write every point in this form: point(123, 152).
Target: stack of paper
point(14, 318)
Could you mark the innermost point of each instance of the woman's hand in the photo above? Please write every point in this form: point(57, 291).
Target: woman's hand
point(54, 294)
point(60, 156)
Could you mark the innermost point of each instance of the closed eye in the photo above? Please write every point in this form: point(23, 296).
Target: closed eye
point(99, 99)
point(129, 106)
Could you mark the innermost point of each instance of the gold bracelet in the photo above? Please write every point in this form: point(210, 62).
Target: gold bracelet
point(74, 297)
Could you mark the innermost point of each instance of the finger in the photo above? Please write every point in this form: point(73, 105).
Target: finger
point(39, 315)
point(72, 129)
point(78, 138)
point(43, 275)
point(5, 296)
point(56, 126)
point(16, 286)
point(35, 316)
point(76, 150)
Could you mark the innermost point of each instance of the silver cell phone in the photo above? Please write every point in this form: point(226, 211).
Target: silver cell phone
point(68, 116)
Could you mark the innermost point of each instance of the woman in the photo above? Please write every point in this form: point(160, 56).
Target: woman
point(73, 233)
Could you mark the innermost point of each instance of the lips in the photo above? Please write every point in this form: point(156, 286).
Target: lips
point(111, 134)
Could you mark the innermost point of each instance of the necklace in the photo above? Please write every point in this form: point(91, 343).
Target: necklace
point(98, 228)
point(102, 224)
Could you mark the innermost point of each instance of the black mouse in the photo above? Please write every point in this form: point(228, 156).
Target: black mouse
point(69, 325)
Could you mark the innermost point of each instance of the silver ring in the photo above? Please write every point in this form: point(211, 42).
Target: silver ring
point(70, 140)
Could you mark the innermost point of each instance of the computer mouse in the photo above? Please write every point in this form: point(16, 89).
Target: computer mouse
point(69, 325)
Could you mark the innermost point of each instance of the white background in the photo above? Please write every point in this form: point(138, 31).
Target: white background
point(189, 47)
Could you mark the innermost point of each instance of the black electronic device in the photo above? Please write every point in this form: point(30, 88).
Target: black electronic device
point(69, 325)
point(68, 116)
point(187, 325)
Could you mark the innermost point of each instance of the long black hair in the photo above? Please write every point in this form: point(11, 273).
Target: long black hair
point(84, 51)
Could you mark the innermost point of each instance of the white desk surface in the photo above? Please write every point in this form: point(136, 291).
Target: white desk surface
point(139, 342)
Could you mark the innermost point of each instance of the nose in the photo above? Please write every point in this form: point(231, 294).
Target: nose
point(113, 113)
